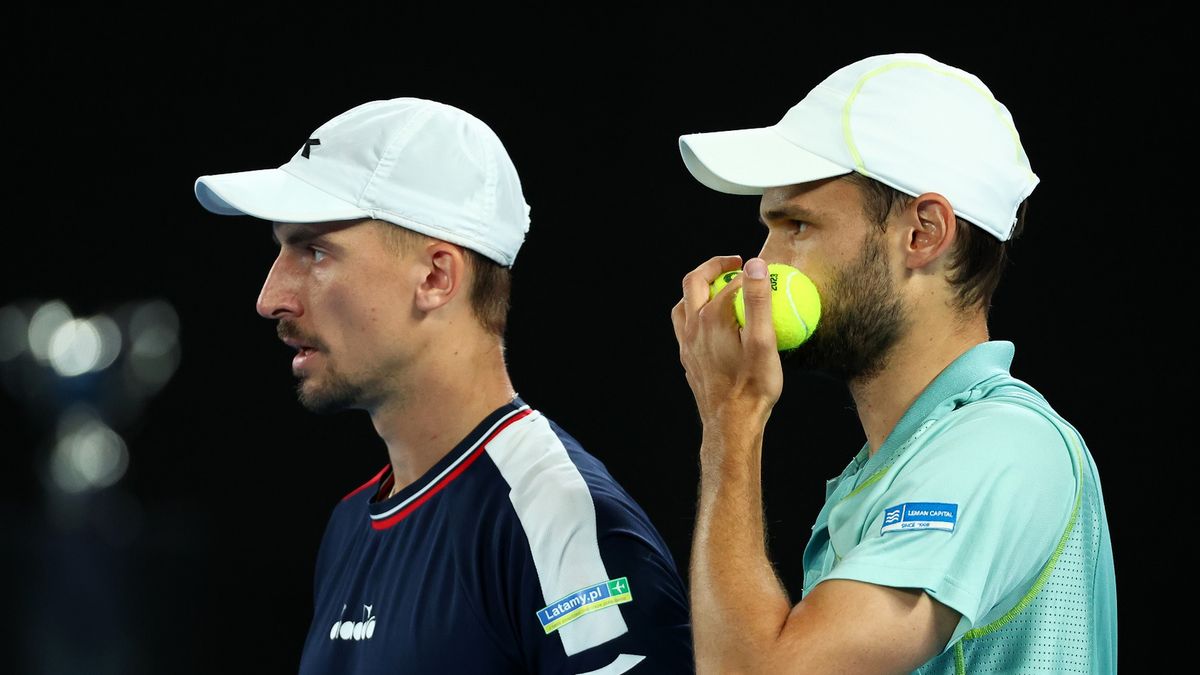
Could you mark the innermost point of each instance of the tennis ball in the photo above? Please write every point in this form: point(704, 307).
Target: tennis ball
point(795, 303)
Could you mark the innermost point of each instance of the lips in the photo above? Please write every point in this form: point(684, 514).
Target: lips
point(306, 350)
point(302, 359)
point(298, 345)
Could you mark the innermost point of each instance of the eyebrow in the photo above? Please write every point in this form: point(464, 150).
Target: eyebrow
point(296, 236)
point(791, 212)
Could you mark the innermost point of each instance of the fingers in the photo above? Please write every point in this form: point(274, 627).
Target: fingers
point(727, 368)
point(759, 331)
point(697, 282)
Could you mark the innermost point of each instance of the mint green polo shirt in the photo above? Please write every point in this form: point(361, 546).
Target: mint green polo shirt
point(988, 500)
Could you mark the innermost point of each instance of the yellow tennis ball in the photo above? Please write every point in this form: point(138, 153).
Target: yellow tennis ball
point(795, 303)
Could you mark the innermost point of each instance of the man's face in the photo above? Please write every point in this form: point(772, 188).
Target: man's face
point(821, 229)
point(343, 300)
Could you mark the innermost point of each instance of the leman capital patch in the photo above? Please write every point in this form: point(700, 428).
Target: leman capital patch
point(920, 516)
point(584, 601)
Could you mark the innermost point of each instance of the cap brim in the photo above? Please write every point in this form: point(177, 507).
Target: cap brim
point(747, 161)
point(271, 194)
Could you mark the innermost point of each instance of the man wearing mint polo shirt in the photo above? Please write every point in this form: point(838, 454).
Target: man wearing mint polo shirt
point(968, 535)
point(936, 507)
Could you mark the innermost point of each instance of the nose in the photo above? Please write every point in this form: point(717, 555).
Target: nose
point(773, 249)
point(279, 297)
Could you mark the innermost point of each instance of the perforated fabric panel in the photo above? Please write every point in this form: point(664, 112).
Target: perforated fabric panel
point(1051, 634)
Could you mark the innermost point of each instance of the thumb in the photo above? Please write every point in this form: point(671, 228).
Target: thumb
point(756, 290)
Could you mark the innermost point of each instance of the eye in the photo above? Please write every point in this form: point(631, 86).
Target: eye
point(317, 254)
point(798, 225)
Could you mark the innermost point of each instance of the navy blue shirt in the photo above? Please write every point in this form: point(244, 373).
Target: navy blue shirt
point(516, 553)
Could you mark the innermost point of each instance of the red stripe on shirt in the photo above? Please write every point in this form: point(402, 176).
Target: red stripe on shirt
point(369, 483)
point(403, 513)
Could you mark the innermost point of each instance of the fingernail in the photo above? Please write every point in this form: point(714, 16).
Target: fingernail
point(756, 268)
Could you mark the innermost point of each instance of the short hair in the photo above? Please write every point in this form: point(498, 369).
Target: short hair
point(492, 287)
point(977, 258)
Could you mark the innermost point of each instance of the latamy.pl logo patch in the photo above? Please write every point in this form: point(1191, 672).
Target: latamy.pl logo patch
point(920, 516)
point(584, 601)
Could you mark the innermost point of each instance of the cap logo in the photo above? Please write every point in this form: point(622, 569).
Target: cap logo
point(308, 144)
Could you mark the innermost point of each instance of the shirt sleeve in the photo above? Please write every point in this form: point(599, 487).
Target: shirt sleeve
point(644, 592)
point(973, 516)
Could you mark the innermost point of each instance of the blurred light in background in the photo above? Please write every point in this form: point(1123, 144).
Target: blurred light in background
point(14, 333)
point(83, 376)
point(88, 455)
point(154, 355)
point(83, 380)
point(84, 345)
point(46, 320)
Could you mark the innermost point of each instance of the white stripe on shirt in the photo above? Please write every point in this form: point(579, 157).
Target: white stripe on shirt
point(555, 508)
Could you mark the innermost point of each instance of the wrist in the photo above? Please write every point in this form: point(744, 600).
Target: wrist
point(732, 446)
point(736, 419)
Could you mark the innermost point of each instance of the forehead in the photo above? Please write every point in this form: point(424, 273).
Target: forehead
point(813, 200)
point(295, 232)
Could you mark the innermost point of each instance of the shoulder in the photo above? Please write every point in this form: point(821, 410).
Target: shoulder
point(996, 447)
point(548, 471)
point(997, 433)
point(558, 490)
point(566, 502)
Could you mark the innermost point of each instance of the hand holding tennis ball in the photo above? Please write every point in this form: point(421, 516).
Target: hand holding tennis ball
point(795, 303)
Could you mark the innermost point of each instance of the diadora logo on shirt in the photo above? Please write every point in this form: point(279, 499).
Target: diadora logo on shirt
point(349, 629)
point(920, 516)
point(584, 601)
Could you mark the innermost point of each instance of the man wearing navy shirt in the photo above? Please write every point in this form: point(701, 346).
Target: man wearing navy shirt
point(491, 542)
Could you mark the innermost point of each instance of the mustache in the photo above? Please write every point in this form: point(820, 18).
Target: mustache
point(288, 329)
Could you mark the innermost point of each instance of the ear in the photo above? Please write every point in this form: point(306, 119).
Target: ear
point(445, 275)
point(931, 229)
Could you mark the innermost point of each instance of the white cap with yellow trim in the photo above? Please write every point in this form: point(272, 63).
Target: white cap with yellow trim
point(906, 120)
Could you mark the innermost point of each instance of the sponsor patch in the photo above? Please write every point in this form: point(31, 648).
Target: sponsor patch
point(584, 601)
point(920, 516)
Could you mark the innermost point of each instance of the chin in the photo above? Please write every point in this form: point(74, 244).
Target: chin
point(325, 400)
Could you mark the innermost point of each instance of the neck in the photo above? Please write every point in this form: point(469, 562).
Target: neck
point(912, 364)
point(442, 401)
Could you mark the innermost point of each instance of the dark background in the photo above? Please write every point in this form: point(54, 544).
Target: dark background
point(204, 549)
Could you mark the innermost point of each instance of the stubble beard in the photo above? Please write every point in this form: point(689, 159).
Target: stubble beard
point(332, 392)
point(329, 391)
point(335, 394)
point(862, 321)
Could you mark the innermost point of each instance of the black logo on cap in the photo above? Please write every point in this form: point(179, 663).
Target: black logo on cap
point(308, 144)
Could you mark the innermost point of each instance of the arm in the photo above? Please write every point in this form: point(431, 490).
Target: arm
point(596, 590)
point(741, 616)
point(655, 636)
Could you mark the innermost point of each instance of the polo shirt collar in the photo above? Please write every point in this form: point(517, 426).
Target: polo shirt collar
point(982, 362)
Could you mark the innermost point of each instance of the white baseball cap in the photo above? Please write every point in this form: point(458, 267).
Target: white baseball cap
point(419, 164)
point(905, 120)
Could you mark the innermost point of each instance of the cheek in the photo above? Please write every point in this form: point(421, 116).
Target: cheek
point(368, 310)
point(340, 316)
point(799, 254)
point(824, 279)
point(781, 247)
